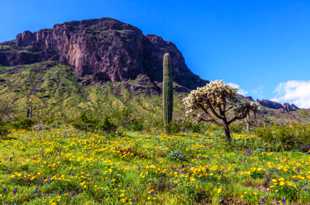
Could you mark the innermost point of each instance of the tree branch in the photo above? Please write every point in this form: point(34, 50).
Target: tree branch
point(229, 108)
point(213, 110)
point(241, 116)
point(207, 112)
point(209, 120)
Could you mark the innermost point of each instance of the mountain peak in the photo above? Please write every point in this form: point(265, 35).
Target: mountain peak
point(285, 107)
point(102, 49)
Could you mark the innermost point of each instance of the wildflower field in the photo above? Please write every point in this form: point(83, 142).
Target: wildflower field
point(68, 166)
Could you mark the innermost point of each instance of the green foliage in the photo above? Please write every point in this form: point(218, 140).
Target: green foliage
point(88, 122)
point(177, 155)
point(167, 91)
point(58, 98)
point(286, 137)
point(3, 129)
point(185, 125)
point(22, 124)
point(237, 128)
point(108, 126)
point(67, 166)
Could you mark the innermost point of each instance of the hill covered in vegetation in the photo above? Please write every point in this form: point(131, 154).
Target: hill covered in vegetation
point(55, 95)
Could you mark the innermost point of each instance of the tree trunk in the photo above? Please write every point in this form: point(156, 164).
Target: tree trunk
point(227, 133)
point(247, 122)
point(29, 113)
point(247, 126)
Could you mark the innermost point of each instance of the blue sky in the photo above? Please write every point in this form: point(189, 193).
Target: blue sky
point(261, 45)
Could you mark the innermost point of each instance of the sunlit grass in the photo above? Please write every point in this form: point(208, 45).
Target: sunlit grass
point(67, 166)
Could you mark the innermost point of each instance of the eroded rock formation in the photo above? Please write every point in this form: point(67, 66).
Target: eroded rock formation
point(104, 49)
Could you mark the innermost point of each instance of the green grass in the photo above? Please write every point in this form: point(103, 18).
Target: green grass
point(4, 68)
point(67, 166)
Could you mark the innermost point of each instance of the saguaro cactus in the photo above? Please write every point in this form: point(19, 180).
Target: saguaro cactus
point(167, 91)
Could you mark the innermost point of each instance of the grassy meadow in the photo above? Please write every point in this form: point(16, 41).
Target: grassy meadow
point(69, 166)
point(86, 144)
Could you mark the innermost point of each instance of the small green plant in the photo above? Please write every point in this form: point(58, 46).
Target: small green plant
point(23, 124)
point(177, 155)
point(89, 122)
point(3, 129)
point(86, 122)
point(107, 126)
point(284, 189)
point(257, 173)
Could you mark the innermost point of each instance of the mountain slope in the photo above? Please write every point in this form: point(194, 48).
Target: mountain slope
point(68, 67)
point(47, 86)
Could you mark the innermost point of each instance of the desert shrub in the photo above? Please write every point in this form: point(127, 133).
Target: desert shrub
point(107, 125)
point(3, 129)
point(135, 125)
point(196, 193)
point(128, 117)
point(22, 124)
point(7, 113)
point(285, 137)
point(185, 125)
point(90, 122)
point(237, 128)
point(86, 122)
point(177, 155)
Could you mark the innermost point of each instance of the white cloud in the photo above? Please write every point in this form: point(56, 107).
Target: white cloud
point(258, 92)
point(240, 91)
point(293, 91)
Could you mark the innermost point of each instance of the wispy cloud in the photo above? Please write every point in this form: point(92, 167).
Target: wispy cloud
point(258, 92)
point(237, 86)
point(293, 91)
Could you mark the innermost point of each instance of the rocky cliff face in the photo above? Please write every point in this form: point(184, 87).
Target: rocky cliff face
point(101, 50)
point(286, 107)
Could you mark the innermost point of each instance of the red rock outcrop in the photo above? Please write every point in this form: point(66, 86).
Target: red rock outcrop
point(105, 49)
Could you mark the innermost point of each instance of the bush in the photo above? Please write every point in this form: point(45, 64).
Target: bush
point(3, 129)
point(285, 137)
point(177, 155)
point(107, 126)
point(17, 124)
point(23, 124)
point(187, 126)
point(135, 125)
point(237, 128)
point(88, 122)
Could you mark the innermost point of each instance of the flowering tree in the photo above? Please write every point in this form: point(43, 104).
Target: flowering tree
point(218, 103)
